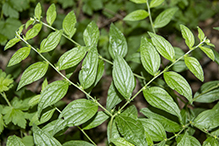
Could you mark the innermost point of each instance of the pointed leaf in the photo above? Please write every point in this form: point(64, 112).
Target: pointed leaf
point(69, 24)
point(208, 52)
point(136, 15)
point(185, 141)
point(163, 46)
point(201, 34)
point(123, 77)
point(117, 42)
point(34, 31)
point(112, 130)
point(130, 111)
point(77, 143)
point(29, 22)
point(51, 14)
point(210, 141)
point(139, 1)
point(38, 11)
point(14, 141)
point(33, 73)
point(155, 3)
point(121, 142)
point(100, 71)
point(91, 34)
point(188, 36)
point(149, 57)
point(11, 43)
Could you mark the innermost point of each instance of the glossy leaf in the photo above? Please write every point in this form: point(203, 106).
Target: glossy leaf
point(195, 67)
point(160, 99)
point(29, 22)
point(201, 34)
point(77, 143)
point(210, 141)
point(11, 43)
point(14, 141)
point(164, 17)
point(38, 11)
point(117, 42)
point(91, 34)
point(188, 36)
point(149, 57)
point(68, 24)
point(176, 82)
point(185, 141)
point(136, 15)
point(34, 100)
point(51, 42)
point(71, 58)
point(123, 77)
point(208, 52)
point(139, 1)
point(33, 73)
point(52, 94)
point(155, 3)
point(121, 142)
point(19, 55)
point(2, 124)
point(51, 14)
point(100, 71)
point(34, 31)
point(88, 73)
point(130, 111)
point(163, 46)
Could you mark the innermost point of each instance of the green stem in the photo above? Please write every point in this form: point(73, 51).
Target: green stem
point(6, 99)
point(150, 18)
point(206, 132)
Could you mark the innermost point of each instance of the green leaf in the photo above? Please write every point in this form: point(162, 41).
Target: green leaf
point(51, 41)
point(44, 84)
point(33, 73)
point(210, 141)
point(28, 140)
point(155, 3)
point(71, 58)
point(2, 124)
point(117, 42)
point(160, 99)
point(188, 36)
point(95, 121)
point(208, 52)
point(69, 24)
point(34, 100)
point(121, 142)
point(100, 71)
point(185, 141)
point(88, 73)
point(11, 43)
point(5, 81)
point(29, 22)
point(52, 94)
point(130, 111)
point(131, 129)
point(163, 46)
point(20, 55)
point(91, 34)
point(149, 57)
point(139, 1)
point(216, 28)
point(42, 138)
point(201, 34)
point(123, 77)
point(38, 11)
point(164, 17)
point(14, 141)
point(195, 67)
point(34, 31)
point(77, 143)
point(136, 15)
point(51, 14)
point(176, 82)
point(112, 130)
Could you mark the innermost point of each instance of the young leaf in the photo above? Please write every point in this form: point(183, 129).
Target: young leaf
point(185, 141)
point(139, 1)
point(20, 55)
point(121, 142)
point(201, 34)
point(195, 67)
point(52, 94)
point(51, 14)
point(117, 42)
point(38, 11)
point(68, 24)
point(123, 77)
point(176, 82)
point(50, 42)
point(163, 46)
point(88, 73)
point(31, 33)
point(33, 73)
point(91, 34)
point(131, 129)
point(136, 15)
point(14, 141)
point(71, 58)
point(155, 3)
point(29, 22)
point(208, 52)
point(188, 36)
point(160, 99)
point(11, 43)
point(77, 143)
point(149, 57)
point(164, 17)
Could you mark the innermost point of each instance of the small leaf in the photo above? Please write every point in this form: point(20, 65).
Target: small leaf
point(208, 52)
point(91, 34)
point(2, 124)
point(31, 33)
point(185, 141)
point(139, 1)
point(51, 14)
point(34, 100)
point(149, 57)
point(136, 15)
point(29, 22)
point(117, 42)
point(216, 28)
point(155, 3)
point(163, 46)
point(195, 67)
point(44, 84)
point(100, 71)
point(178, 83)
point(11, 43)
point(188, 36)
point(20, 55)
point(121, 142)
point(52, 94)
point(77, 143)
point(14, 141)
point(38, 11)
point(164, 17)
point(69, 24)
point(51, 42)
point(123, 77)
point(201, 34)
point(33, 73)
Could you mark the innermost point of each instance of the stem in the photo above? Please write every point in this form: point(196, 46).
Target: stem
point(6, 99)
point(206, 132)
point(150, 18)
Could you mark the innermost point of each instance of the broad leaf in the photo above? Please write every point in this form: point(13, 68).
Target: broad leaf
point(210, 141)
point(34, 100)
point(33, 73)
point(112, 130)
point(188, 36)
point(117, 42)
point(164, 17)
point(77, 143)
point(208, 52)
point(201, 34)
point(149, 57)
point(123, 77)
point(121, 142)
point(91, 34)
point(136, 15)
point(130, 111)
point(176, 82)
point(195, 67)
point(52, 94)
point(185, 141)
point(14, 141)
point(51, 14)
point(163, 46)
point(139, 1)
point(155, 3)
point(34, 31)
point(19, 55)
point(68, 24)
point(11, 43)
point(38, 11)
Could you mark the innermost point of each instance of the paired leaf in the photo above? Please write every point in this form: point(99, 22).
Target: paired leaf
point(188, 36)
point(38, 11)
point(34, 31)
point(155, 3)
point(77, 143)
point(139, 1)
point(91, 34)
point(14, 141)
point(185, 141)
point(11, 43)
point(68, 24)
point(51, 14)
point(33, 73)
point(136, 15)
point(121, 142)
point(201, 34)
point(210, 141)
point(208, 52)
